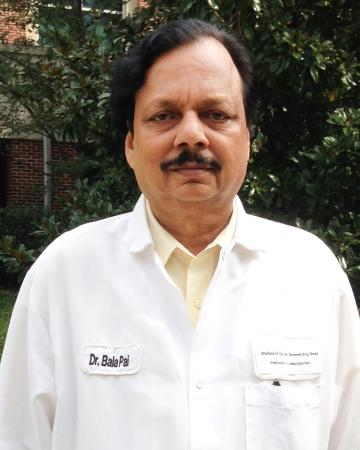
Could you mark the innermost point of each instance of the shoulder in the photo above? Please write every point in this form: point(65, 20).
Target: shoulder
point(276, 234)
point(289, 242)
point(86, 241)
point(297, 255)
point(105, 228)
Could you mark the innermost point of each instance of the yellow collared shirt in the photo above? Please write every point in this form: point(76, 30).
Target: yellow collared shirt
point(190, 273)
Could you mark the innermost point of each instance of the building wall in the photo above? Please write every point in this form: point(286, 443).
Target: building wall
point(142, 4)
point(25, 172)
point(12, 26)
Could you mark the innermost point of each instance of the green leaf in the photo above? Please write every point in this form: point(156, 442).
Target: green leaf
point(314, 74)
point(213, 4)
point(185, 5)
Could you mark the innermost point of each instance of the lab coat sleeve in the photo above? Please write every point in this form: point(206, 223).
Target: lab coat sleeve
point(345, 433)
point(27, 386)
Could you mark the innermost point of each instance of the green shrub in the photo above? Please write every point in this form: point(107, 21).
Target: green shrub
point(27, 233)
point(17, 225)
point(305, 154)
point(16, 259)
point(20, 222)
point(7, 299)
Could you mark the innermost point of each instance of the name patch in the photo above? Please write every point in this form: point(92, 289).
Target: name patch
point(286, 358)
point(103, 360)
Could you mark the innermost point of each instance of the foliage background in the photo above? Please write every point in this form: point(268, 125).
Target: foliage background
point(305, 150)
point(7, 300)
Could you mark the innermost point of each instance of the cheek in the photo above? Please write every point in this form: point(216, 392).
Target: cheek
point(153, 148)
point(234, 155)
point(147, 163)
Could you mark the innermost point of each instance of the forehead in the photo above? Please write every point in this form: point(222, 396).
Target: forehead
point(204, 67)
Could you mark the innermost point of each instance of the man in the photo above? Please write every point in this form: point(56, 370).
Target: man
point(186, 324)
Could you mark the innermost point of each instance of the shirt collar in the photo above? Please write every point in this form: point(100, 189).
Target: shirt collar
point(249, 232)
point(165, 243)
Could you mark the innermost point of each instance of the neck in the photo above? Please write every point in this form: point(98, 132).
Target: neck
point(195, 226)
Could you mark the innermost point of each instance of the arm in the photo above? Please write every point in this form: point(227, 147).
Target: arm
point(27, 386)
point(345, 433)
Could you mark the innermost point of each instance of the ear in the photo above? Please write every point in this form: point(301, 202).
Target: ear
point(129, 149)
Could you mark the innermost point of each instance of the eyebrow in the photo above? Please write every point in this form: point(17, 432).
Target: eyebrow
point(164, 103)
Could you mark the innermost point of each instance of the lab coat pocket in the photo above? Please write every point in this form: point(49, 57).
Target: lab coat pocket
point(281, 417)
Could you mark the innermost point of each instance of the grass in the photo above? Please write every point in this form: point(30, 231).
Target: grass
point(7, 299)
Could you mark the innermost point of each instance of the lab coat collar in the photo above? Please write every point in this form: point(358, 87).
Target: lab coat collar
point(247, 234)
point(138, 236)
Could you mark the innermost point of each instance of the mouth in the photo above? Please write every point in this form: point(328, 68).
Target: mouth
point(192, 172)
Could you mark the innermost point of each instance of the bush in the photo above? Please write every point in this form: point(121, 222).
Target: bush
point(112, 190)
point(7, 299)
point(16, 235)
point(305, 153)
point(25, 233)
point(20, 222)
point(16, 259)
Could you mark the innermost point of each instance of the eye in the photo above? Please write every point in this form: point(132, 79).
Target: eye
point(162, 116)
point(217, 116)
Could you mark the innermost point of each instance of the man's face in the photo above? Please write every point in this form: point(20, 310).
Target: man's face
point(191, 100)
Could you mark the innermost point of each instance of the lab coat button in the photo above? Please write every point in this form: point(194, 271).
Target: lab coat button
point(199, 384)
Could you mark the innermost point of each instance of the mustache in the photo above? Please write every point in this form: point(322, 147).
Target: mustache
point(189, 155)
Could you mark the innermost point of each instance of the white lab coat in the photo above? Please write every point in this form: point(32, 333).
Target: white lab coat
point(100, 354)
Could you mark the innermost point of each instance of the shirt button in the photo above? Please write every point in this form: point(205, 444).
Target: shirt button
point(199, 384)
point(197, 303)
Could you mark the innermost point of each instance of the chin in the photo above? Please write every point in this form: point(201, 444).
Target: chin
point(194, 198)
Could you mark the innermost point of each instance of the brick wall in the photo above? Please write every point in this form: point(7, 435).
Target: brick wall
point(12, 26)
point(25, 173)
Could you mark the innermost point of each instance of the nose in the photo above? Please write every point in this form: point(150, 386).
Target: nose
point(190, 132)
